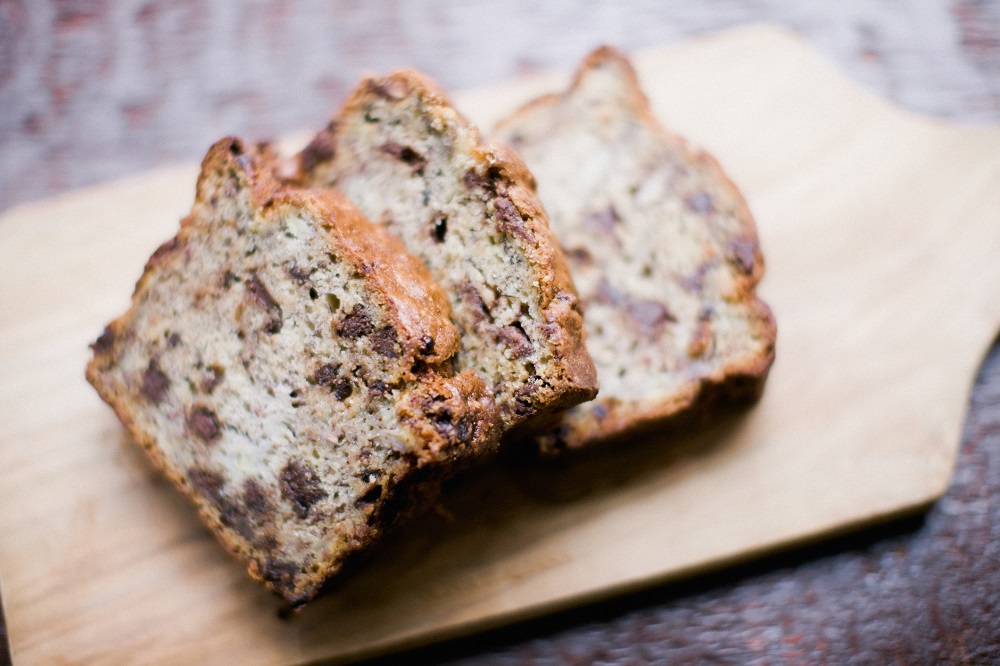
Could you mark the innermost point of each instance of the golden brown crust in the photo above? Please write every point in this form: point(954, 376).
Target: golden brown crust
point(738, 379)
point(420, 305)
point(575, 379)
point(570, 377)
point(465, 399)
point(451, 420)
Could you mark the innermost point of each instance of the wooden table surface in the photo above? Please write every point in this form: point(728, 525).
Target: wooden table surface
point(93, 90)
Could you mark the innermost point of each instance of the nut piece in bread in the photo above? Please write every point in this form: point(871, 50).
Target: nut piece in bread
point(401, 152)
point(663, 251)
point(287, 365)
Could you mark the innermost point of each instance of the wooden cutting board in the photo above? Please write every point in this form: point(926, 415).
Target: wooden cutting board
point(881, 232)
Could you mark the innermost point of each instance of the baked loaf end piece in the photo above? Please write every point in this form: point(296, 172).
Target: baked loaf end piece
point(403, 154)
point(662, 247)
point(286, 364)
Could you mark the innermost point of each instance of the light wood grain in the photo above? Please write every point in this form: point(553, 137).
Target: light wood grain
point(879, 229)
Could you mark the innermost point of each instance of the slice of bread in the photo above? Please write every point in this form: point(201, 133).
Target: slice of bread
point(662, 247)
point(287, 365)
point(402, 153)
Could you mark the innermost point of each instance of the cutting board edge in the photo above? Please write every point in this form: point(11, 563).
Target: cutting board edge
point(794, 548)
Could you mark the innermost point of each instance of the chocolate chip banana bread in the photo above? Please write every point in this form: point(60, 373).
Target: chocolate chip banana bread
point(402, 153)
point(287, 365)
point(662, 248)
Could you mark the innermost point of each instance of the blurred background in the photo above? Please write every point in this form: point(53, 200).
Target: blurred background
point(95, 89)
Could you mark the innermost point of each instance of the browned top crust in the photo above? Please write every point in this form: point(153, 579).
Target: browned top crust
point(300, 420)
point(420, 305)
point(607, 230)
point(418, 301)
point(497, 177)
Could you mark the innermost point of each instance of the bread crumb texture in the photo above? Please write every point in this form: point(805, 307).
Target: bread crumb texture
point(287, 365)
point(413, 164)
point(662, 247)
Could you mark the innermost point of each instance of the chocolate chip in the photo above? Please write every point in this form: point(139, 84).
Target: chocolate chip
point(509, 217)
point(426, 345)
point(356, 323)
point(299, 275)
point(300, 486)
point(695, 282)
point(607, 294)
point(319, 150)
point(700, 202)
point(105, 342)
point(329, 377)
point(266, 542)
point(579, 255)
point(470, 296)
point(649, 316)
point(378, 389)
point(487, 181)
point(388, 89)
point(385, 340)
point(234, 516)
point(208, 482)
point(326, 374)
point(259, 294)
point(523, 400)
point(256, 500)
point(173, 340)
point(744, 252)
point(342, 388)
point(406, 155)
point(465, 429)
point(451, 427)
point(154, 382)
point(474, 180)
point(279, 572)
point(516, 340)
point(603, 221)
point(229, 278)
point(204, 424)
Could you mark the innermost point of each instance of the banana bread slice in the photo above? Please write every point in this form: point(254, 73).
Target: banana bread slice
point(287, 365)
point(662, 248)
point(402, 153)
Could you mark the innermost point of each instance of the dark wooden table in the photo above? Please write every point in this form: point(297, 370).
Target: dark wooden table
point(91, 90)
